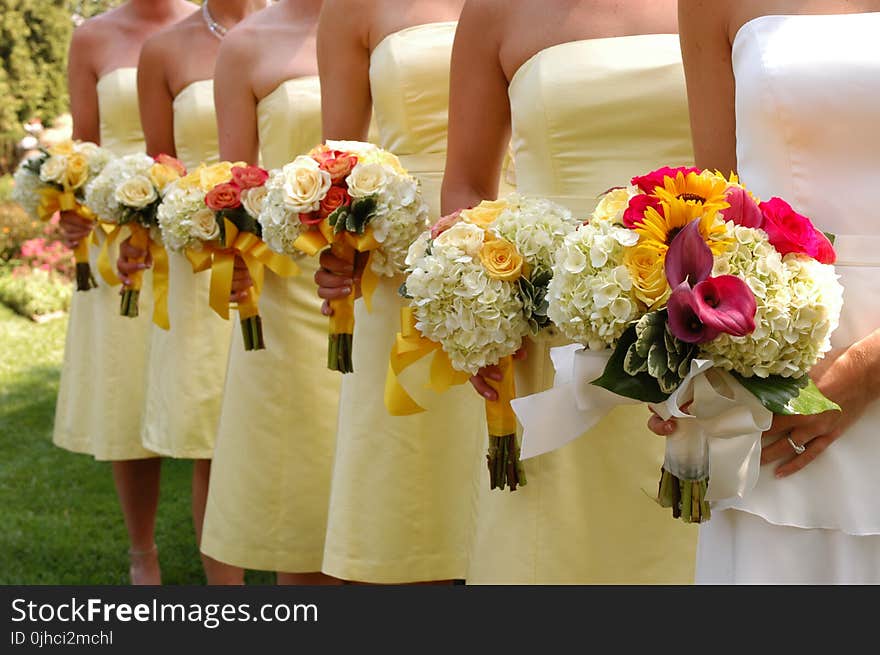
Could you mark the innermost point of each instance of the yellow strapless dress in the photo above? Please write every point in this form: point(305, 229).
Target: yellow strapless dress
point(187, 365)
point(270, 477)
point(586, 116)
point(402, 497)
point(103, 378)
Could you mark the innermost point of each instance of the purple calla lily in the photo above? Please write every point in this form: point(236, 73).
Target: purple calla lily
point(684, 317)
point(743, 209)
point(726, 304)
point(688, 258)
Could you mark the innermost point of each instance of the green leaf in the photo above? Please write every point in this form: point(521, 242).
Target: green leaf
point(638, 387)
point(788, 396)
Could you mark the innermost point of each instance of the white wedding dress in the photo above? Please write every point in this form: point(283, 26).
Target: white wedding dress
point(807, 109)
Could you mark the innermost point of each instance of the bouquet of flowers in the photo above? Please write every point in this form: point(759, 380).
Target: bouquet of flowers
point(211, 216)
point(477, 286)
point(708, 300)
point(128, 192)
point(358, 200)
point(55, 180)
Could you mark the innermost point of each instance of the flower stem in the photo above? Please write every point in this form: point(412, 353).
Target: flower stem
point(252, 333)
point(128, 306)
point(84, 278)
point(339, 352)
point(505, 467)
point(686, 498)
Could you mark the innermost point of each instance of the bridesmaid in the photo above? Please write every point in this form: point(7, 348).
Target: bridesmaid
point(813, 517)
point(187, 364)
point(401, 502)
point(270, 479)
point(593, 94)
point(99, 408)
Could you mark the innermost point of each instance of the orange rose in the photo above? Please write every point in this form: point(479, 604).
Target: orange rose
point(171, 162)
point(224, 196)
point(336, 197)
point(339, 164)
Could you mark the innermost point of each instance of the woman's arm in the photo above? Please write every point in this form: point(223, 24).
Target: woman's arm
point(479, 109)
point(705, 46)
point(235, 100)
point(344, 67)
point(154, 98)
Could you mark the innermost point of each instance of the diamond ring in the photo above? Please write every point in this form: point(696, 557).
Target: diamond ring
point(798, 449)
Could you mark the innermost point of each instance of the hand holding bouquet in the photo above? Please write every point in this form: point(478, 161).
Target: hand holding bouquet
point(710, 301)
point(358, 200)
point(477, 287)
point(55, 180)
point(128, 193)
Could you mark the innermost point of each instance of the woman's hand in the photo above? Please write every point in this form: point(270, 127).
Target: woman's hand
point(74, 228)
point(336, 278)
point(129, 261)
point(479, 381)
point(241, 281)
point(847, 378)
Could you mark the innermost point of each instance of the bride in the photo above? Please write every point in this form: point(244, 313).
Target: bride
point(787, 94)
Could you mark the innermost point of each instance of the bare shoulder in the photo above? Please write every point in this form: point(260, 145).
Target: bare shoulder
point(350, 15)
point(707, 15)
point(485, 19)
point(168, 40)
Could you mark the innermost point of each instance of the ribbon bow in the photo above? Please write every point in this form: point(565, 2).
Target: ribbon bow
point(729, 417)
point(221, 260)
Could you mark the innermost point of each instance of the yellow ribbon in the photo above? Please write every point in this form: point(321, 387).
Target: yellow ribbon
point(221, 260)
point(54, 200)
point(409, 347)
point(499, 413)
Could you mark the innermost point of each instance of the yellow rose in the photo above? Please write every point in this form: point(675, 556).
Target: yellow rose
point(501, 260)
point(192, 180)
point(162, 175)
point(211, 176)
point(62, 148)
point(612, 206)
point(136, 192)
point(484, 214)
point(645, 263)
point(77, 171)
point(391, 161)
point(54, 169)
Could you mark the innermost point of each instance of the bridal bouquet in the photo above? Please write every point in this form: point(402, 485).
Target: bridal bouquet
point(55, 180)
point(127, 193)
point(477, 286)
point(211, 216)
point(707, 300)
point(358, 200)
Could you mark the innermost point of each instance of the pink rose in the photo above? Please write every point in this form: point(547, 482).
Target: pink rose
point(444, 223)
point(224, 196)
point(248, 177)
point(654, 179)
point(792, 232)
point(171, 162)
point(638, 205)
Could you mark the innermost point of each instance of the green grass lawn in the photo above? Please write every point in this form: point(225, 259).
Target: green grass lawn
point(60, 520)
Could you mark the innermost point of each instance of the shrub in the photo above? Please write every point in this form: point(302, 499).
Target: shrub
point(34, 293)
point(16, 228)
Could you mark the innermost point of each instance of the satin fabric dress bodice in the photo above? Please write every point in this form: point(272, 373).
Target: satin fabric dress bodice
point(195, 124)
point(807, 103)
point(587, 116)
point(270, 477)
point(100, 404)
point(409, 78)
point(118, 112)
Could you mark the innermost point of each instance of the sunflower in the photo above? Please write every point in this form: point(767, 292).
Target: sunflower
point(657, 230)
point(702, 190)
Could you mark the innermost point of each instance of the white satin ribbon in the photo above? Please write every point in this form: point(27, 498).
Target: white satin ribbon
point(730, 417)
point(553, 418)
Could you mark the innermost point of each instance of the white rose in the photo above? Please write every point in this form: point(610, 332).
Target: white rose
point(88, 149)
point(305, 185)
point(205, 225)
point(464, 236)
point(136, 192)
point(367, 180)
point(54, 169)
point(252, 200)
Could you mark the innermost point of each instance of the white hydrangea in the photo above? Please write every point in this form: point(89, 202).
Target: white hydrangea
point(97, 156)
point(477, 319)
point(592, 299)
point(26, 189)
point(799, 302)
point(536, 226)
point(281, 226)
point(176, 214)
point(401, 216)
point(100, 194)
